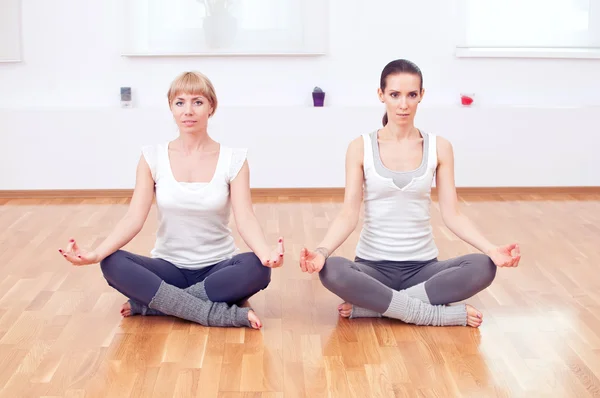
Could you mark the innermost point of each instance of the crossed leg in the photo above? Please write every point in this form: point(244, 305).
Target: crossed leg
point(370, 288)
point(434, 282)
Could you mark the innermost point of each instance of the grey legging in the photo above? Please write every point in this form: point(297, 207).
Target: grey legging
point(369, 284)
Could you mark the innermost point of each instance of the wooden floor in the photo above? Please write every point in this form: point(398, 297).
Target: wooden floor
point(61, 334)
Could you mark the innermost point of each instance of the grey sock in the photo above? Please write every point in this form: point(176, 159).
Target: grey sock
point(412, 310)
point(360, 312)
point(417, 291)
point(173, 301)
point(196, 290)
point(141, 309)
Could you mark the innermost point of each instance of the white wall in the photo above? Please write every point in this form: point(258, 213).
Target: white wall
point(61, 126)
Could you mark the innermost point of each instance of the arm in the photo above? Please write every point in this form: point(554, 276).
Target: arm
point(455, 220)
point(127, 228)
point(347, 219)
point(247, 223)
point(345, 222)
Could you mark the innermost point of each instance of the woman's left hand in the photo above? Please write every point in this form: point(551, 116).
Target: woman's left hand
point(506, 256)
point(275, 259)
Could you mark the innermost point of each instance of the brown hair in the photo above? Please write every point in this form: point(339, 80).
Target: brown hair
point(395, 67)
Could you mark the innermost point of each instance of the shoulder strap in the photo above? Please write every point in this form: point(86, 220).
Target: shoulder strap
point(368, 151)
point(432, 153)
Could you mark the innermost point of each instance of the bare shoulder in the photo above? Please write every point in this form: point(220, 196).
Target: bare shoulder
point(356, 149)
point(444, 148)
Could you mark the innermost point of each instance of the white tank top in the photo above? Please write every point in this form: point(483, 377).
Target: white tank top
point(193, 218)
point(396, 224)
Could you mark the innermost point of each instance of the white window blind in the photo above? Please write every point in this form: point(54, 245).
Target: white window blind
point(542, 25)
point(226, 26)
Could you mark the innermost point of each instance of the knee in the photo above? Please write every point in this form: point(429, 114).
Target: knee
point(112, 265)
point(260, 273)
point(332, 275)
point(484, 268)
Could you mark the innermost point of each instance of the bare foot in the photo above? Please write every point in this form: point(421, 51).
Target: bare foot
point(126, 309)
point(345, 309)
point(474, 317)
point(254, 321)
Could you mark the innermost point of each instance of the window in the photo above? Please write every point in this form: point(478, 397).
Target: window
point(226, 26)
point(528, 26)
point(10, 31)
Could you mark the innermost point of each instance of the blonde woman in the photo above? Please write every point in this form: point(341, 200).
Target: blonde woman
point(194, 271)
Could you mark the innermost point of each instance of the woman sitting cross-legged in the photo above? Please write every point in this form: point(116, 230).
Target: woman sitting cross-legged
point(396, 272)
point(195, 271)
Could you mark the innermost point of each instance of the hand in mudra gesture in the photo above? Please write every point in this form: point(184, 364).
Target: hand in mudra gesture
point(312, 261)
point(506, 256)
point(77, 256)
point(275, 258)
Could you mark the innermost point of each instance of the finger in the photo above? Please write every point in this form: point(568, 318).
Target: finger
point(516, 261)
point(276, 261)
point(517, 251)
point(70, 245)
point(67, 256)
point(73, 259)
point(280, 245)
point(277, 257)
point(302, 262)
point(75, 246)
point(303, 267)
point(511, 247)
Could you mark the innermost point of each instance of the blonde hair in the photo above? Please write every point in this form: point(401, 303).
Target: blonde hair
point(194, 83)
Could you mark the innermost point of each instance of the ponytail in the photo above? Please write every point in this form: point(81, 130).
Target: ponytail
point(385, 119)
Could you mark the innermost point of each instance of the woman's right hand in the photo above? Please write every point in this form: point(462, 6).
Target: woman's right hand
point(311, 261)
point(77, 256)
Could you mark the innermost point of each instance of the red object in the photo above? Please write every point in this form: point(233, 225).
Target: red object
point(466, 100)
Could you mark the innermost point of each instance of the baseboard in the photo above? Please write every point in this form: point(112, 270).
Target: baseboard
point(574, 190)
point(65, 193)
point(296, 192)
